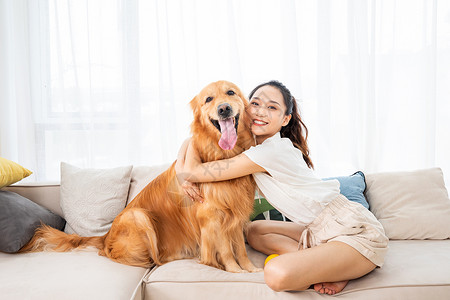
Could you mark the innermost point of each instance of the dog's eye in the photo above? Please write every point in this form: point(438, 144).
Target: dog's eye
point(231, 93)
point(209, 99)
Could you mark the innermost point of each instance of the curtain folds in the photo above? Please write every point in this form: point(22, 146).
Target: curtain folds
point(107, 83)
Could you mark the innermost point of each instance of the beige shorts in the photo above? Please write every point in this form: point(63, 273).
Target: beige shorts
point(351, 223)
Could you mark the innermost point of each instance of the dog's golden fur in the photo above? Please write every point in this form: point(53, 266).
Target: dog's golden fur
point(159, 226)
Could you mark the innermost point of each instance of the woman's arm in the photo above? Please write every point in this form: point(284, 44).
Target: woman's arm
point(181, 155)
point(179, 165)
point(190, 189)
point(218, 170)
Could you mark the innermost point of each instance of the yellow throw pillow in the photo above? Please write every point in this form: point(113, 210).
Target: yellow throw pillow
point(11, 172)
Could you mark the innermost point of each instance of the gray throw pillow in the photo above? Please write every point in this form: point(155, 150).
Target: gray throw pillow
point(19, 218)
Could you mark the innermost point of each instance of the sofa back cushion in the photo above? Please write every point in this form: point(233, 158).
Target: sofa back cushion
point(143, 175)
point(410, 205)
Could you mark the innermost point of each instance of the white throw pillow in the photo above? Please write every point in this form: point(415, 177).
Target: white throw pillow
point(92, 198)
point(410, 205)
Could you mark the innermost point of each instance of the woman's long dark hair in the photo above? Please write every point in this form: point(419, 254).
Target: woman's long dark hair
point(295, 130)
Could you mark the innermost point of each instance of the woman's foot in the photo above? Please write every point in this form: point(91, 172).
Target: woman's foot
point(330, 288)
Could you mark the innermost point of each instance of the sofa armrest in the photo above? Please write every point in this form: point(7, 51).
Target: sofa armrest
point(44, 194)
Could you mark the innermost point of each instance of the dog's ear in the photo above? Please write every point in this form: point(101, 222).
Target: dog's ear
point(242, 96)
point(247, 120)
point(245, 117)
point(194, 106)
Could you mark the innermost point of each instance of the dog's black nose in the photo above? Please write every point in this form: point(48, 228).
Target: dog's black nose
point(224, 110)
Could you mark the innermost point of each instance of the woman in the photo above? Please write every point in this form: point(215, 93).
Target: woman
point(331, 239)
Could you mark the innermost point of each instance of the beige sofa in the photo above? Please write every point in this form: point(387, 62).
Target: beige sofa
point(413, 207)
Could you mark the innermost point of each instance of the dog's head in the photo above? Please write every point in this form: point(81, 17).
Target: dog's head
point(219, 109)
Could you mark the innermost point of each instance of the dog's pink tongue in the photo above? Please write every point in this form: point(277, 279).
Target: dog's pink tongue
point(229, 136)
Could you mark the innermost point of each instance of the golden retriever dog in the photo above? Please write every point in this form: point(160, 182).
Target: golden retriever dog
point(158, 226)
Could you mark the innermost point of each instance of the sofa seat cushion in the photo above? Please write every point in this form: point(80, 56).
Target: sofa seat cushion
point(70, 275)
point(415, 269)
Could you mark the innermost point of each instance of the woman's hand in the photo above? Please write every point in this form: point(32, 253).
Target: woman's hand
point(190, 189)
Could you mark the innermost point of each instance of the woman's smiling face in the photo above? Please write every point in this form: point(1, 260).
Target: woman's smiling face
point(267, 112)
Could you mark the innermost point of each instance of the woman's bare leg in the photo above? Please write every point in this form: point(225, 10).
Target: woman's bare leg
point(271, 237)
point(327, 266)
point(334, 262)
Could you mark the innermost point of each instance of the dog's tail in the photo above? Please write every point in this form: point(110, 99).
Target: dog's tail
point(47, 238)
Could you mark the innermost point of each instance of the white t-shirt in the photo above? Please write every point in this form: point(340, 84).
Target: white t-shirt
point(292, 187)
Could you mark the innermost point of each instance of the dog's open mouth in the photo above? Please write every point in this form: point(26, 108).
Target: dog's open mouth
point(228, 129)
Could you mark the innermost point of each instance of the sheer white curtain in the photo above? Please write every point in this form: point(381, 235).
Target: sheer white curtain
point(107, 83)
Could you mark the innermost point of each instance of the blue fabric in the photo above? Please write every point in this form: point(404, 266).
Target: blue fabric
point(353, 187)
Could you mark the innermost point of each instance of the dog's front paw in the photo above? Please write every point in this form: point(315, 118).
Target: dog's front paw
point(236, 270)
point(251, 268)
point(256, 270)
